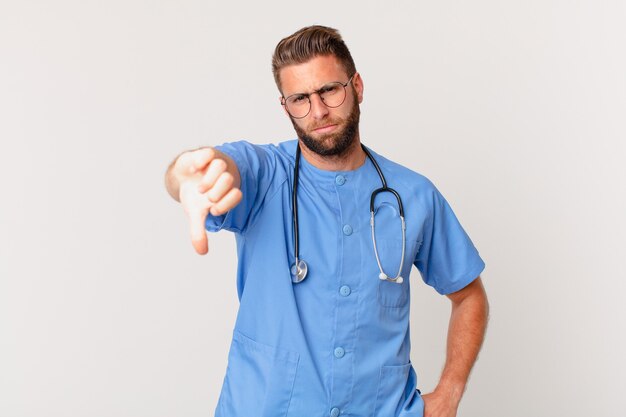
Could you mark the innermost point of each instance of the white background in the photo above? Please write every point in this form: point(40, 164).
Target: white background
point(514, 109)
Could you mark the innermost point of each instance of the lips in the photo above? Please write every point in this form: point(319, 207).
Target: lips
point(325, 129)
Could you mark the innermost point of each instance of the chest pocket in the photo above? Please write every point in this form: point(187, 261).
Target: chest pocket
point(389, 245)
point(392, 294)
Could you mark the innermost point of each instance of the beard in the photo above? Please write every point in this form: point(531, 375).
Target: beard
point(333, 144)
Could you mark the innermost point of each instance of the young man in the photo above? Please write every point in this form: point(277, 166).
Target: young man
point(327, 232)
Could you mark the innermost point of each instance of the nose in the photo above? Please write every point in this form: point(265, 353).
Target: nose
point(318, 108)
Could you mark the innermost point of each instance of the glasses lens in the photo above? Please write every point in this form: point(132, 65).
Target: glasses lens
point(333, 94)
point(298, 105)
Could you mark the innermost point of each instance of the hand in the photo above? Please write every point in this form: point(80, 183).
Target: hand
point(205, 185)
point(440, 404)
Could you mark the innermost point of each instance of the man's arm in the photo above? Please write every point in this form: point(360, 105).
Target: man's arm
point(203, 180)
point(466, 331)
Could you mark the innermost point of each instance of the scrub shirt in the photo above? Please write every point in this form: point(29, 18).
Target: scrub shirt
point(336, 344)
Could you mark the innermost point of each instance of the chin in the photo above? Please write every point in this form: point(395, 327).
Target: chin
point(334, 145)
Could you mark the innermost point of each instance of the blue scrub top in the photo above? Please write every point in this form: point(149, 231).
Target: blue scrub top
point(336, 344)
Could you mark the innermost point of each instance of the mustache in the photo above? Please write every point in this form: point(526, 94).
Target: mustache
point(323, 123)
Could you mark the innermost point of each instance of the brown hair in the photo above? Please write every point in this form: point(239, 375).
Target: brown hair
point(308, 43)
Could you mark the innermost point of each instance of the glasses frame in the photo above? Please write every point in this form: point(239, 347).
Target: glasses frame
point(283, 99)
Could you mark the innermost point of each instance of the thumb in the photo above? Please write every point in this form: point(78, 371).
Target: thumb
point(198, 233)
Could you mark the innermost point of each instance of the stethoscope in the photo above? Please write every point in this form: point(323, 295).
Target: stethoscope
point(299, 269)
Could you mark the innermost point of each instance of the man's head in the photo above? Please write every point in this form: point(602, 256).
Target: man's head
point(308, 43)
point(305, 65)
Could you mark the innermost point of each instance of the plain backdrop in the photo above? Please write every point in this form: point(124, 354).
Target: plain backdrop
point(514, 109)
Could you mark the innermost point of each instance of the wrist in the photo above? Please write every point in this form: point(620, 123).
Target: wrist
point(453, 390)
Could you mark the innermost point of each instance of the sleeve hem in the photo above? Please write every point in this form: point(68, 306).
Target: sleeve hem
point(468, 278)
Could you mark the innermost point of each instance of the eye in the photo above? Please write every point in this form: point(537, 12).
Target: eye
point(329, 89)
point(297, 99)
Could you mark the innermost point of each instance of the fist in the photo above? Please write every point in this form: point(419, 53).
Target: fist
point(208, 183)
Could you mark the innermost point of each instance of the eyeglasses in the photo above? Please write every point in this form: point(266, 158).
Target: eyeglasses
point(332, 95)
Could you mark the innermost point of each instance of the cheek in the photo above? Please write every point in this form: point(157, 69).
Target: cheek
point(344, 112)
point(299, 124)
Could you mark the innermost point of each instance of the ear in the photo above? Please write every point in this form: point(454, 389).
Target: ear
point(357, 82)
point(280, 100)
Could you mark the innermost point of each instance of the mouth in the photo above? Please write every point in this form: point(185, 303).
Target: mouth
point(325, 129)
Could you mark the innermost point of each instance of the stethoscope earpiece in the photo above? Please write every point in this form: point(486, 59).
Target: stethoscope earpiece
point(383, 277)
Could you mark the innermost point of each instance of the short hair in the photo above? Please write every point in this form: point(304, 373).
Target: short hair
point(308, 43)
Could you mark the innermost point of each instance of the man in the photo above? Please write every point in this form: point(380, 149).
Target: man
point(323, 321)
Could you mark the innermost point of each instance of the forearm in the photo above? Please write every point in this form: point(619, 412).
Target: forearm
point(466, 332)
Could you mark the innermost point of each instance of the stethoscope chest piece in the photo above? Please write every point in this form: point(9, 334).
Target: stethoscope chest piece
point(299, 271)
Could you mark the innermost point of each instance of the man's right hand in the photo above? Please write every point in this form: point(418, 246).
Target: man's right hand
point(208, 181)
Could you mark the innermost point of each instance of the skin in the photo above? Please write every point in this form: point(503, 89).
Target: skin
point(206, 180)
point(466, 332)
point(203, 180)
point(322, 121)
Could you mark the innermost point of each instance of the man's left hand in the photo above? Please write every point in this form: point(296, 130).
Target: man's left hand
point(440, 404)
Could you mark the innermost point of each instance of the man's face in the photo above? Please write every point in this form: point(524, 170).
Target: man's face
point(325, 131)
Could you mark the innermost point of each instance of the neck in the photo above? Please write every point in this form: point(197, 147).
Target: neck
point(350, 160)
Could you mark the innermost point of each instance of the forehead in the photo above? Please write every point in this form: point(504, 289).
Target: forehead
point(311, 75)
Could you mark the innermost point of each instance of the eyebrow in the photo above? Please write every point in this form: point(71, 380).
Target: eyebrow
point(317, 90)
point(311, 92)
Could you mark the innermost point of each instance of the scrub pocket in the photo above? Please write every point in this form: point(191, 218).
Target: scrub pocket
point(392, 294)
point(397, 395)
point(259, 380)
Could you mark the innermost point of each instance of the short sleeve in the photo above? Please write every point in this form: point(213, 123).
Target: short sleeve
point(257, 169)
point(447, 259)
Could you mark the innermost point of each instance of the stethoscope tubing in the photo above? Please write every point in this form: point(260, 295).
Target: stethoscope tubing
point(299, 269)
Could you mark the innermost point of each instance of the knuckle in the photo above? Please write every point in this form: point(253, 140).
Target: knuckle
point(219, 164)
point(213, 196)
point(182, 162)
point(237, 195)
point(202, 156)
point(221, 208)
point(227, 178)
